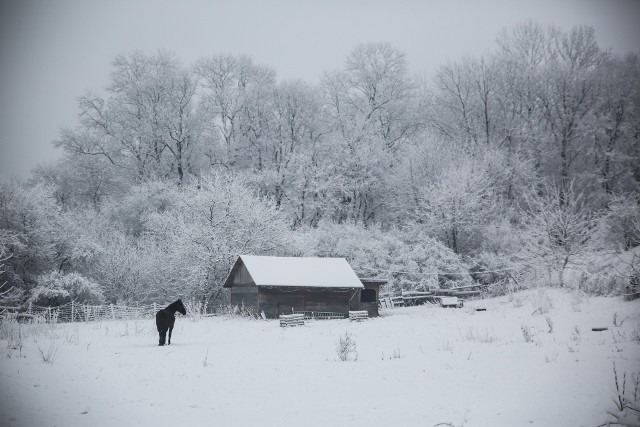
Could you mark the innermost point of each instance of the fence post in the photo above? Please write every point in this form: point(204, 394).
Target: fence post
point(113, 316)
point(72, 310)
point(155, 309)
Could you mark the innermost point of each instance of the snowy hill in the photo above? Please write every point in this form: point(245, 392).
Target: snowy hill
point(530, 358)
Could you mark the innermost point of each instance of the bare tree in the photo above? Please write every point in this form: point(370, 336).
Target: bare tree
point(148, 124)
point(372, 109)
point(295, 128)
point(557, 228)
point(613, 124)
point(566, 91)
point(457, 203)
point(374, 95)
point(231, 83)
point(4, 289)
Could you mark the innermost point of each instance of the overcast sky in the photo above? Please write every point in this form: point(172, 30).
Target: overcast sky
point(51, 52)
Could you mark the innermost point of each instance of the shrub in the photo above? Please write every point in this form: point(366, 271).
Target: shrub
point(471, 334)
point(550, 324)
point(48, 356)
point(600, 284)
point(635, 333)
point(55, 288)
point(627, 401)
point(346, 348)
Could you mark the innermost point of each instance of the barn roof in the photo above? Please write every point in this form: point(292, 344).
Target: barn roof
point(297, 272)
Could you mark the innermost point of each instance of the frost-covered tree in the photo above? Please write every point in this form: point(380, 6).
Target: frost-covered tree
point(81, 181)
point(234, 98)
point(148, 126)
point(295, 129)
point(8, 294)
point(557, 229)
point(458, 204)
point(613, 127)
point(446, 193)
point(465, 106)
point(372, 109)
point(618, 227)
point(211, 221)
point(55, 288)
point(31, 230)
point(127, 270)
point(566, 91)
point(409, 260)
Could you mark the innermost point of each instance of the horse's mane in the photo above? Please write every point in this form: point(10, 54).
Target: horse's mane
point(176, 306)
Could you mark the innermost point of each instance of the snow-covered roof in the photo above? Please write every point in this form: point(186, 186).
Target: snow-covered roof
point(300, 272)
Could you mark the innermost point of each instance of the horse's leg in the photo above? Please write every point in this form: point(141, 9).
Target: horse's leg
point(171, 323)
point(160, 325)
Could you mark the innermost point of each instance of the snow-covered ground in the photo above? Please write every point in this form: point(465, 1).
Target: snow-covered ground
point(416, 366)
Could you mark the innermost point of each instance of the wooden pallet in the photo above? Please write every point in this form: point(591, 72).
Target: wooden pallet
point(320, 315)
point(287, 320)
point(358, 316)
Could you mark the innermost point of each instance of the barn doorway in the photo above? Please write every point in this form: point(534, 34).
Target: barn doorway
point(368, 295)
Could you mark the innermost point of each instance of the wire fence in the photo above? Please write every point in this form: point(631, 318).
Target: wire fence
point(75, 312)
point(78, 312)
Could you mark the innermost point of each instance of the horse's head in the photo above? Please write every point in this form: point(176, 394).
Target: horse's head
point(180, 307)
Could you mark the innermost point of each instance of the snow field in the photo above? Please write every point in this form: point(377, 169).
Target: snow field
point(415, 366)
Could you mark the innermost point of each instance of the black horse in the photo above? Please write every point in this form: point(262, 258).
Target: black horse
point(165, 319)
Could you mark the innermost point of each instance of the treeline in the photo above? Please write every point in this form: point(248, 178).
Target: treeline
point(527, 157)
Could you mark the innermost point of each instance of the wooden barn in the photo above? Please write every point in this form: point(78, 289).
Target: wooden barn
point(282, 285)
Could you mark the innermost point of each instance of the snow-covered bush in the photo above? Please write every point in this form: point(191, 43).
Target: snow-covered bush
point(31, 230)
point(409, 261)
point(541, 302)
point(55, 288)
point(627, 401)
point(557, 228)
point(526, 333)
point(500, 257)
point(600, 284)
point(604, 272)
point(346, 348)
point(9, 295)
point(619, 228)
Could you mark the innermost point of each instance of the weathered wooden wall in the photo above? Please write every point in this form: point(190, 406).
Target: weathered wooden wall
point(370, 307)
point(246, 295)
point(276, 301)
point(244, 291)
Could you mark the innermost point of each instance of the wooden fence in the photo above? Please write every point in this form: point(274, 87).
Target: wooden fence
point(75, 312)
